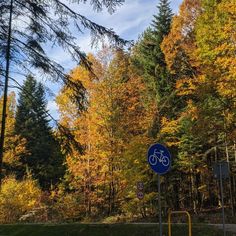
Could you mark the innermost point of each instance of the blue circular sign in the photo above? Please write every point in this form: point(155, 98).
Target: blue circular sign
point(159, 158)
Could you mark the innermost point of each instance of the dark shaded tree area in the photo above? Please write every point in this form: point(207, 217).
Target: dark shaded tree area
point(151, 59)
point(44, 160)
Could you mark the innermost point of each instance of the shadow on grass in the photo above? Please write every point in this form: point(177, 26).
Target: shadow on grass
point(104, 230)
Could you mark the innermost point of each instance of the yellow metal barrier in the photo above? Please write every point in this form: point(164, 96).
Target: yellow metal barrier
point(180, 212)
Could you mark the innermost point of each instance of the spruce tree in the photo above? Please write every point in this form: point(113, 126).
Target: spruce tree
point(152, 61)
point(44, 159)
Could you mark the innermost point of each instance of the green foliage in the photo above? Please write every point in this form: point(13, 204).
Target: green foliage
point(44, 159)
point(149, 56)
point(217, 54)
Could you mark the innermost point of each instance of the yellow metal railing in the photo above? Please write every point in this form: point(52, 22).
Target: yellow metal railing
point(179, 212)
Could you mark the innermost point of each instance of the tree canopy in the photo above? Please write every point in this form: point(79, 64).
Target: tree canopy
point(43, 158)
point(175, 86)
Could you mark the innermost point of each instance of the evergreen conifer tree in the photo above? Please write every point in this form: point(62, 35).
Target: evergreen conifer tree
point(152, 61)
point(44, 159)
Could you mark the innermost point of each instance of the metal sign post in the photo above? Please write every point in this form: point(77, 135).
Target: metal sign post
point(159, 160)
point(159, 204)
point(140, 188)
point(221, 171)
point(222, 199)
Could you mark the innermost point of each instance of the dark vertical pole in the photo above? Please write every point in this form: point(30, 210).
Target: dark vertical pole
point(222, 199)
point(4, 107)
point(159, 203)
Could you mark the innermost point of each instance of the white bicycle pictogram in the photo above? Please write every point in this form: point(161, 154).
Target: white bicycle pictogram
point(158, 157)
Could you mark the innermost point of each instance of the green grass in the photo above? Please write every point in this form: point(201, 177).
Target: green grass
point(102, 230)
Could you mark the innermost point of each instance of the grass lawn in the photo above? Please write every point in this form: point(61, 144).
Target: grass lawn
point(103, 230)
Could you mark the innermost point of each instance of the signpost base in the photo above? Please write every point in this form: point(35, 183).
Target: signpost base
point(159, 204)
point(222, 199)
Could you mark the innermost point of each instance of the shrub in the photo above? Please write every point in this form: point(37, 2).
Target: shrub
point(17, 198)
point(65, 207)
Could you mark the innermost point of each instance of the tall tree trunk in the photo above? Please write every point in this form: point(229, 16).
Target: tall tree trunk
point(176, 195)
point(234, 151)
point(198, 194)
point(3, 123)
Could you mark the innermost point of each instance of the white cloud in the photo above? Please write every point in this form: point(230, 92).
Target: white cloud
point(53, 109)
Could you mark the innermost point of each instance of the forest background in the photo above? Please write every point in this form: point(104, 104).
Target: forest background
point(175, 85)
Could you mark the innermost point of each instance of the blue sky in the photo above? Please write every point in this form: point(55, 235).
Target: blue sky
point(129, 21)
